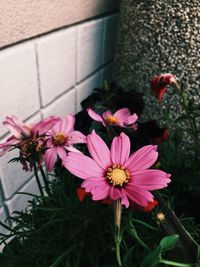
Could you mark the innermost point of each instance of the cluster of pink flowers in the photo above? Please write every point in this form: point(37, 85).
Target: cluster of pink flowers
point(46, 140)
point(108, 175)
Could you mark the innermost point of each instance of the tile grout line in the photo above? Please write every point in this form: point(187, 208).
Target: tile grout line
point(76, 68)
point(38, 77)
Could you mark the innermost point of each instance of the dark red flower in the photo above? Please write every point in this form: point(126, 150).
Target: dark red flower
point(150, 206)
point(82, 194)
point(160, 83)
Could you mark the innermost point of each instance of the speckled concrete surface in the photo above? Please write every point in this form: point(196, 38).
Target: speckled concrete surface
point(157, 36)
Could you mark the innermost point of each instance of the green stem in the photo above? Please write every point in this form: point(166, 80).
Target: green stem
point(173, 263)
point(37, 179)
point(117, 245)
point(142, 244)
point(45, 181)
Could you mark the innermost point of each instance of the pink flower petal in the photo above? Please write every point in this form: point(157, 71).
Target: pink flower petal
point(91, 183)
point(98, 150)
point(17, 127)
point(131, 119)
point(98, 187)
point(142, 159)
point(139, 195)
point(72, 149)
point(50, 157)
point(8, 144)
point(114, 193)
point(107, 114)
point(124, 199)
point(94, 115)
point(150, 179)
point(82, 166)
point(76, 137)
point(67, 125)
point(45, 125)
point(100, 192)
point(61, 152)
point(120, 149)
point(122, 114)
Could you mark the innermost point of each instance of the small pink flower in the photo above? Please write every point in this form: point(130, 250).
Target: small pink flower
point(121, 117)
point(115, 174)
point(160, 83)
point(61, 138)
point(21, 131)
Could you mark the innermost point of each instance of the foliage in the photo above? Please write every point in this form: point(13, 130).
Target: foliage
point(57, 229)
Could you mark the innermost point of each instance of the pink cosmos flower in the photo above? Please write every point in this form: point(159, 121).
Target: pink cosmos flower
point(61, 138)
point(121, 117)
point(21, 131)
point(160, 83)
point(115, 174)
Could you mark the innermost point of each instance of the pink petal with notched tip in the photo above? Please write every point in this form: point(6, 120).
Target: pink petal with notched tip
point(91, 183)
point(50, 157)
point(142, 159)
point(138, 195)
point(100, 192)
point(98, 150)
point(150, 179)
point(95, 116)
point(120, 149)
point(82, 166)
point(76, 137)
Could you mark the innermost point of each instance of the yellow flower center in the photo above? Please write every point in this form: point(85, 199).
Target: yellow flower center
point(60, 139)
point(117, 175)
point(112, 119)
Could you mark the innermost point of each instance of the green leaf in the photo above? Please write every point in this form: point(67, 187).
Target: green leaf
point(153, 258)
point(168, 242)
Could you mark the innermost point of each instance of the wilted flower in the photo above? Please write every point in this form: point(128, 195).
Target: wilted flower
point(121, 117)
point(160, 83)
point(27, 138)
point(116, 175)
point(60, 140)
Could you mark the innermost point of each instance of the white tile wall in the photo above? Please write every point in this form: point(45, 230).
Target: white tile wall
point(19, 201)
point(57, 63)
point(86, 87)
point(18, 82)
point(46, 76)
point(66, 104)
point(90, 42)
